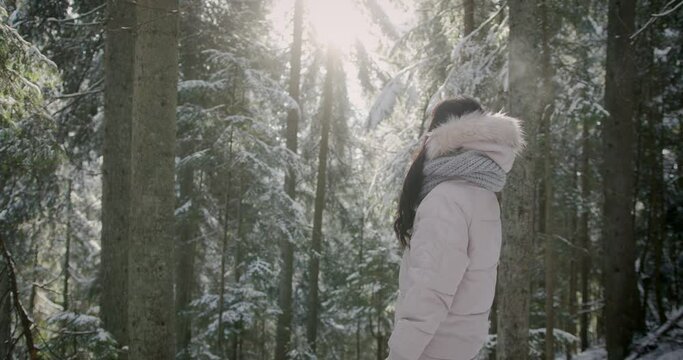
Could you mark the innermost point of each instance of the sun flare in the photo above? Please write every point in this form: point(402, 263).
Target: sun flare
point(337, 22)
point(340, 23)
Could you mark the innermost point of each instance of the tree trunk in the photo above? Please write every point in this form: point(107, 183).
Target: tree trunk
point(677, 238)
point(571, 322)
point(34, 281)
point(262, 340)
point(549, 265)
point(5, 310)
point(651, 95)
point(379, 309)
point(188, 227)
point(547, 196)
point(359, 288)
point(284, 319)
point(380, 343)
point(518, 198)
point(316, 240)
point(621, 303)
point(224, 250)
point(468, 16)
point(116, 168)
point(585, 233)
point(238, 336)
point(67, 253)
point(221, 290)
point(67, 256)
point(657, 208)
point(151, 310)
point(185, 272)
point(573, 280)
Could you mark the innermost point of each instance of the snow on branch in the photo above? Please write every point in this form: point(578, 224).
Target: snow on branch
point(384, 104)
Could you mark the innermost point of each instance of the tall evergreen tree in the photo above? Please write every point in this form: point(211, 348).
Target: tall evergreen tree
point(142, 71)
point(116, 172)
point(151, 310)
point(186, 279)
point(619, 245)
point(312, 321)
point(518, 197)
point(284, 321)
point(545, 163)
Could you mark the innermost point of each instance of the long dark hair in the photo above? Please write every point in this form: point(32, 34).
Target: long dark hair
point(408, 202)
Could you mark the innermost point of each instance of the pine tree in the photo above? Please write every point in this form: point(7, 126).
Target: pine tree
point(116, 172)
point(518, 197)
point(186, 282)
point(621, 300)
point(321, 179)
point(284, 321)
point(151, 310)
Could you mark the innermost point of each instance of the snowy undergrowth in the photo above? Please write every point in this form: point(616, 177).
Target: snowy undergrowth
point(668, 347)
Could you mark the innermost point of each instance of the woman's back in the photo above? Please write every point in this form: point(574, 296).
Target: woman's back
point(454, 255)
point(448, 273)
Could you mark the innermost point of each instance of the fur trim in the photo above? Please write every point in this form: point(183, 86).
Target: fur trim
point(476, 126)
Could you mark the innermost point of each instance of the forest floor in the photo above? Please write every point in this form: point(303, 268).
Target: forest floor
point(668, 347)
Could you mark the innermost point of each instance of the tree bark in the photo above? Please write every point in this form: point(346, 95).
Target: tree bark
point(284, 320)
point(224, 250)
point(116, 168)
point(571, 322)
point(518, 198)
point(573, 260)
point(5, 311)
point(468, 16)
point(67, 253)
point(67, 256)
point(652, 110)
point(221, 290)
point(185, 269)
point(656, 216)
point(238, 333)
point(188, 227)
point(547, 196)
point(316, 239)
point(621, 302)
point(379, 334)
point(151, 308)
point(585, 233)
point(549, 264)
point(359, 287)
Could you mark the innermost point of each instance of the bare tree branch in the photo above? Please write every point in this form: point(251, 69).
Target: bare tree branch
point(654, 17)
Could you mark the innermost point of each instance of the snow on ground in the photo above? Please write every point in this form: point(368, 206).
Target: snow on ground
point(669, 347)
point(597, 353)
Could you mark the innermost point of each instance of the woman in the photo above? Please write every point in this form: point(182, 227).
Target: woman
point(450, 228)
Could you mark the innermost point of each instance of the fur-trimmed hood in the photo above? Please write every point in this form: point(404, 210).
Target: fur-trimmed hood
point(496, 134)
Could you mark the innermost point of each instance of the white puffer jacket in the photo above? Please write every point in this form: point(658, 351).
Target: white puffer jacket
point(447, 279)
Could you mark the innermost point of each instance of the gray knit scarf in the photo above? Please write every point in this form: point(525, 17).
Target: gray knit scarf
point(472, 166)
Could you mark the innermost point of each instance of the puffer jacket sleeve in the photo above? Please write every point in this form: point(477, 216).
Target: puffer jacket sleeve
point(437, 262)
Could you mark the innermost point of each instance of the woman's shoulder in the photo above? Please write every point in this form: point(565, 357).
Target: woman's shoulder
point(453, 195)
point(461, 190)
point(447, 197)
